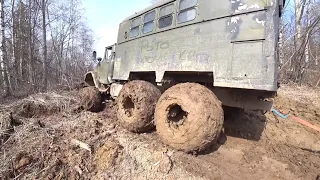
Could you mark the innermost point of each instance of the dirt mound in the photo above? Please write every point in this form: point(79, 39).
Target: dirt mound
point(42, 104)
point(47, 153)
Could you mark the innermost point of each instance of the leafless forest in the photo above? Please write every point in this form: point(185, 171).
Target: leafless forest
point(299, 44)
point(46, 44)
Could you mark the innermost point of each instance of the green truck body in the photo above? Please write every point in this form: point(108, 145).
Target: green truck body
point(231, 46)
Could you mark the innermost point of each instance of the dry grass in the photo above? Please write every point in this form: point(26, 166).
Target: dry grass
point(42, 104)
point(25, 140)
point(302, 94)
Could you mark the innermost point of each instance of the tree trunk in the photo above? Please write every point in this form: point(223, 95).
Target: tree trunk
point(31, 48)
point(298, 18)
point(13, 41)
point(306, 52)
point(299, 42)
point(297, 63)
point(45, 61)
point(4, 63)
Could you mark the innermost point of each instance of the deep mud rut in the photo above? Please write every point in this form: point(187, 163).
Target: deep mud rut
point(253, 146)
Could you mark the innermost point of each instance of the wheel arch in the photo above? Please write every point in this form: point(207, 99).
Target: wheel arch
point(90, 78)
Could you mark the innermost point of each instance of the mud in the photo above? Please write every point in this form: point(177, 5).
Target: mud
point(136, 105)
point(107, 155)
point(252, 146)
point(197, 108)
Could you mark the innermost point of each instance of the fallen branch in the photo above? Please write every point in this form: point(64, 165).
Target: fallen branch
point(318, 82)
point(81, 144)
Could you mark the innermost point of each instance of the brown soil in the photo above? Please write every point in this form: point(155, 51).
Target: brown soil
point(136, 104)
point(253, 146)
point(107, 155)
point(196, 122)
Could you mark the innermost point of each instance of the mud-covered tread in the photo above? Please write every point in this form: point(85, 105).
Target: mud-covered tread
point(136, 104)
point(90, 99)
point(202, 123)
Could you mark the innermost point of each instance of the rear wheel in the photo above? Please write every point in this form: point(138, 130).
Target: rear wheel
point(189, 117)
point(136, 103)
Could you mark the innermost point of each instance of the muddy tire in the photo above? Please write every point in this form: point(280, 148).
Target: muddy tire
point(136, 104)
point(90, 99)
point(189, 117)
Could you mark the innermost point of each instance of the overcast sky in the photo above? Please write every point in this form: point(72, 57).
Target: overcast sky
point(104, 17)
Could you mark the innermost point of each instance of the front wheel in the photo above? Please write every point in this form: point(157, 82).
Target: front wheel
point(189, 117)
point(90, 99)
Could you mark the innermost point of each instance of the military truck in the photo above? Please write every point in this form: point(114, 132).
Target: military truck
point(176, 63)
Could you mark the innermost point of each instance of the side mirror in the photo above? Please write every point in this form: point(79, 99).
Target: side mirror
point(94, 55)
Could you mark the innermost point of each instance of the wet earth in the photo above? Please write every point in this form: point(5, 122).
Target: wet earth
point(59, 140)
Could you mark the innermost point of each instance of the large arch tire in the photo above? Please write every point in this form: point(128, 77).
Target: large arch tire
point(136, 104)
point(90, 99)
point(189, 117)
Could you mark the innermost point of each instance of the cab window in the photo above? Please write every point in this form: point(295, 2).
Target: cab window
point(166, 16)
point(148, 22)
point(187, 10)
point(135, 24)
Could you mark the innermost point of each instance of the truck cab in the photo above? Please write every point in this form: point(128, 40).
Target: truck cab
point(101, 76)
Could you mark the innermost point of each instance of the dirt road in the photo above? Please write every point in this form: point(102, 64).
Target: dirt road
point(44, 144)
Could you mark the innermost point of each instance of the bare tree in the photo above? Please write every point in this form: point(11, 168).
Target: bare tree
point(299, 44)
point(3, 54)
point(44, 34)
point(30, 61)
